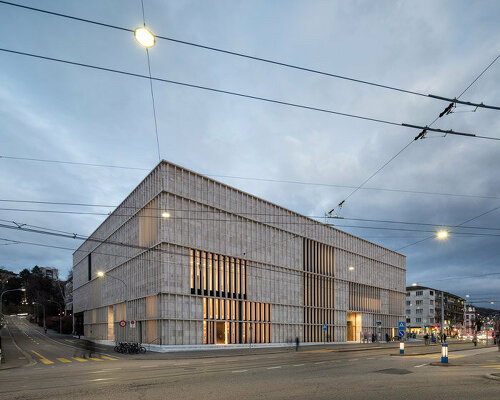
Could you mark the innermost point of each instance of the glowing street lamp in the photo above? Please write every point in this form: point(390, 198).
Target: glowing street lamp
point(442, 235)
point(414, 284)
point(165, 214)
point(145, 37)
point(351, 268)
point(101, 274)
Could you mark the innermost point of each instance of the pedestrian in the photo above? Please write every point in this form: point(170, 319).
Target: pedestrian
point(45, 329)
point(297, 343)
point(426, 339)
point(373, 338)
point(387, 337)
point(474, 339)
point(444, 337)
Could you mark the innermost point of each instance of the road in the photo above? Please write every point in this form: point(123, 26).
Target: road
point(311, 373)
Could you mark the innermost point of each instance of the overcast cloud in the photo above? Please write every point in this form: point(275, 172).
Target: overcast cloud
point(61, 112)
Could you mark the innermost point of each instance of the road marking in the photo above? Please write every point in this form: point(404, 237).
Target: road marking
point(42, 358)
point(298, 365)
point(371, 358)
point(95, 359)
point(79, 359)
point(354, 359)
point(421, 365)
point(109, 358)
point(279, 366)
point(100, 379)
point(64, 360)
point(148, 366)
point(320, 362)
point(241, 370)
point(208, 362)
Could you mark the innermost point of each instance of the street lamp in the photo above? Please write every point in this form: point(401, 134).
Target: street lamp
point(145, 37)
point(101, 274)
point(6, 291)
point(60, 311)
point(165, 214)
point(351, 268)
point(442, 234)
point(414, 284)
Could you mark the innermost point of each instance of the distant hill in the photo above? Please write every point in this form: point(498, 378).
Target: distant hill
point(488, 312)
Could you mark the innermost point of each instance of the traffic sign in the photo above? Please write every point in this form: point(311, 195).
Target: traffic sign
point(402, 328)
point(324, 327)
point(379, 323)
point(123, 323)
point(132, 323)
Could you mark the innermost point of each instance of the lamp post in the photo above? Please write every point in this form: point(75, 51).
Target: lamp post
point(60, 311)
point(7, 291)
point(43, 309)
point(101, 274)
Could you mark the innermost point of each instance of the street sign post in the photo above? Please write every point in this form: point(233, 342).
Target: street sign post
point(324, 327)
point(123, 323)
point(379, 323)
point(132, 323)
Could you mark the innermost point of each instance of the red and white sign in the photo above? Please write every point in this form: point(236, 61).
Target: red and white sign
point(132, 323)
point(123, 323)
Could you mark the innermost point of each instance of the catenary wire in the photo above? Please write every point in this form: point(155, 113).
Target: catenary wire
point(421, 135)
point(254, 58)
point(248, 96)
point(292, 182)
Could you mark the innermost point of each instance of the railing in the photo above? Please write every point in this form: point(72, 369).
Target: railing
point(152, 342)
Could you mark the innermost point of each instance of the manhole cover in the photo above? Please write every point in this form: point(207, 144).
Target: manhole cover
point(394, 371)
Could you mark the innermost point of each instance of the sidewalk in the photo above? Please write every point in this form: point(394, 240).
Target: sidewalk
point(12, 355)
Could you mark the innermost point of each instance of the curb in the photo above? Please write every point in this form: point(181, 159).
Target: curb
point(426, 354)
point(494, 377)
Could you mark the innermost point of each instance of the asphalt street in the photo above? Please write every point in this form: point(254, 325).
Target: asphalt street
point(53, 369)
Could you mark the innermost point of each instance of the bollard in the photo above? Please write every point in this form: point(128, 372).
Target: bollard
point(402, 348)
point(444, 353)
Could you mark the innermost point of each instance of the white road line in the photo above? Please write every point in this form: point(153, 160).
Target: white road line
point(418, 366)
point(148, 366)
point(354, 359)
point(279, 366)
point(320, 362)
point(100, 379)
point(371, 358)
point(208, 362)
point(298, 365)
point(241, 370)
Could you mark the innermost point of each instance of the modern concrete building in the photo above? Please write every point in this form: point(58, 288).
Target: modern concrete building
point(201, 262)
point(423, 310)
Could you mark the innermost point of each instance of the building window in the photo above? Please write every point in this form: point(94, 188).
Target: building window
point(407, 294)
point(217, 275)
point(407, 303)
point(431, 293)
point(408, 320)
point(419, 302)
point(431, 311)
point(419, 293)
point(432, 302)
point(419, 311)
point(408, 312)
point(89, 265)
point(418, 320)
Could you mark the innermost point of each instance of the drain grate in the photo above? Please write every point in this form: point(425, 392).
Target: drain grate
point(394, 371)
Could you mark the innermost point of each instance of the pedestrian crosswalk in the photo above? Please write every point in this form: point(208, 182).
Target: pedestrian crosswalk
point(63, 360)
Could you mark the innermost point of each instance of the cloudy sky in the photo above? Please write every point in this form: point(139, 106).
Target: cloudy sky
point(62, 112)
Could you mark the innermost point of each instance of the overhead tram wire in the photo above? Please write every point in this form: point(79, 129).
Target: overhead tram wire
point(250, 217)
point(292, 182)
point(419, 136)
point(244, 95)
point(151, 88)
point(23, 227)
point(254, 58)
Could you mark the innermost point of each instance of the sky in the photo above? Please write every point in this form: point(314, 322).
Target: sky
point(56, 111)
